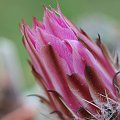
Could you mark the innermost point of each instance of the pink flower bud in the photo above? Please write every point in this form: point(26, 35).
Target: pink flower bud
point(78, 74)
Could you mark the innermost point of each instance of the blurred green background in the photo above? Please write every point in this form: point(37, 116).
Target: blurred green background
point(13, 11)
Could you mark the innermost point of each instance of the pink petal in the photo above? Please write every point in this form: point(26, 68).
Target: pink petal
point(62, 49)
point(97, 86)
point(55, 71)
point(52, 27)
point(90, 60)
point(37, 23)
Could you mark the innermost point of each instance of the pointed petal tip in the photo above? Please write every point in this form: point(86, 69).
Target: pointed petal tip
point(34, 18)
point(44, 7)
point(58, 6)
point(24, 22)
point(98, 40)
point(85, 34)
point(22, 26)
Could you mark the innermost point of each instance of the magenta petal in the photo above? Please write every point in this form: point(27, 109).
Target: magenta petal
point(97, 86)
point(78, 60)
point(90, 60)
point(52, 27)
point(37, 23)
point(78, 63)
point(37, 61)
point(92, 47)
point(56, 16)
point(55, 70)
point(61, 106)
point(80, 86)
point(59, 46)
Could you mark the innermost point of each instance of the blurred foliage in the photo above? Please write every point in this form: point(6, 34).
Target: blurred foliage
point(13, 11)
